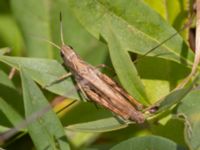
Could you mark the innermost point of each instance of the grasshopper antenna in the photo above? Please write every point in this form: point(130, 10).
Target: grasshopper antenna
point(53, 44)
point(187, 25)
point(43, 39)
point(61, 30)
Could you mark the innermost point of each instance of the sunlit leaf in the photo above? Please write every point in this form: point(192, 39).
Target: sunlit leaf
point(10, 33)
point(177, 17)
point(174, 97)
point(126, 29)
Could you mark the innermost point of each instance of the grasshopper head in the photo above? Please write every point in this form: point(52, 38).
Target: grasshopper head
point(67, 52)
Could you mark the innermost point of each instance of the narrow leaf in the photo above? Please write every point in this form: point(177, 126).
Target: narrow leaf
point(11, 105)
point(174, 97)
point(11, 114)
point(124, 67)
point(101, 125)
point(147, 142)
point(44, 72)
point(33, 18)
point(47, 131)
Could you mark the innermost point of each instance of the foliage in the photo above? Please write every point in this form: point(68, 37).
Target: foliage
point(117, 33)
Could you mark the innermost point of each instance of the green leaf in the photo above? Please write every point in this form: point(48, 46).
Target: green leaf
point(189, 109)
point(160, 76)
point(128, 29)
point(147, 142)
point(174, 97)
point(34, 24)
point(47, 131)
point(44, 72)
point(11, 105)
point(120, 59)
point(89, 48)
point(138, 31)
point(101, 125)
point(40, 19)
point(5, 81)
point(11, 114)
point(159, 6)
point(93, 119)
point(10, 34)
point(164, 129)
point(177, 16)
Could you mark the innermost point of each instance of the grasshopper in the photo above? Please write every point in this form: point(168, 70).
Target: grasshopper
point(98, 87)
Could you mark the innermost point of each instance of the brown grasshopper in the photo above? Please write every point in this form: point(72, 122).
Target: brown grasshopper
point(98, 87)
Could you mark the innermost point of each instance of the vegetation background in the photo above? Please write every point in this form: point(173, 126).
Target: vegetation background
point(111, 32)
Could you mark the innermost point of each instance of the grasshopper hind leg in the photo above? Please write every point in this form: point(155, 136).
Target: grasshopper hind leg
point(84, 95)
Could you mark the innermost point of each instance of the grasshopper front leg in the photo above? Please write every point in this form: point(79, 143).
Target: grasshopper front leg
point(82, 91)
point(58, 80)
point(104, 66)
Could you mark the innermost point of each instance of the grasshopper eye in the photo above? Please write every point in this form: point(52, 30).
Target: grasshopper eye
point(70, 46)
point(61, 54)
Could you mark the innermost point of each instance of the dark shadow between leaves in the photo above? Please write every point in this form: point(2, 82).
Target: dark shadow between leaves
point(13, 98)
